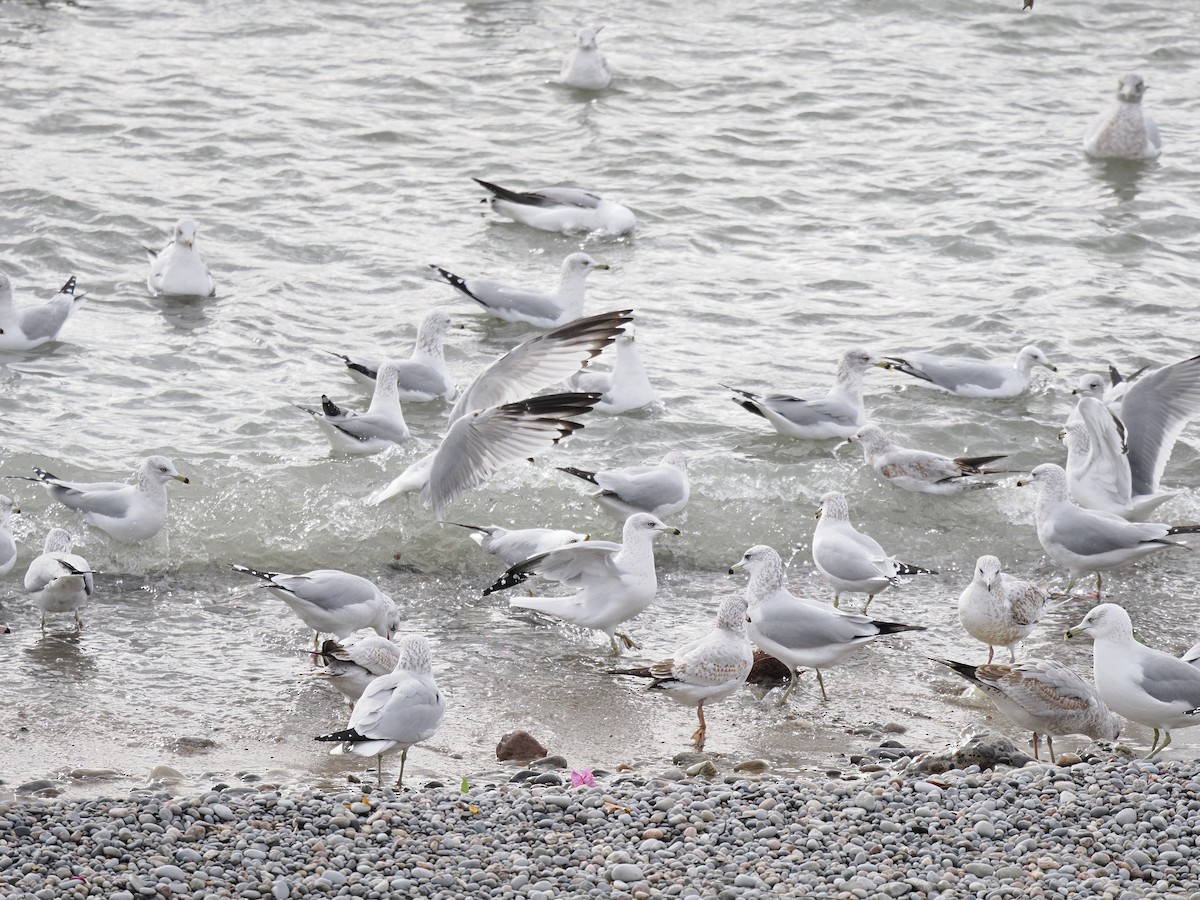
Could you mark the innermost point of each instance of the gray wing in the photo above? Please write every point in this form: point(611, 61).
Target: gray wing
point(577, 565)
point(1087, 533)
point(1026, 600)
point(540, 362)
point(419, 378)
point(803, 626)
point(45, 321)
point(919, 464)
point(510, 298)
point(851, 555)
point(1108, 463)
point(1170, 680)
point(1155, 410)
point(562, 196)
point(954, 372)
point(812, 412)
point(643, 486)
point(328, 589)
point(366, 427)
point(113, 502)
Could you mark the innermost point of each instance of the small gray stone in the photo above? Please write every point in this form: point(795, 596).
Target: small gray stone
point(626, 872)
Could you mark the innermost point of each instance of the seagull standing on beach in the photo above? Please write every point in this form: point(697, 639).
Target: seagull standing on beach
point(27, 327)
point(178, 269)
point(707, 669)
point(399, 709)
point(1142, 684)
point(999, 610)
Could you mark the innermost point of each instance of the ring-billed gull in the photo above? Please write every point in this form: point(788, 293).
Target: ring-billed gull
point(514, 545)
point(999, 610)
point(128, 512)
point(1154, 407)
point(707, 669)
point(561, 209)
point(661, 489)
point(852, 562)
point(973, 377)
point(1125, 131)
point(625, 387)
point(423, 376)
point(836, 415)
point(801, 632)
point(331, 601)
point(381, 427)
point(8, 547)
point(920, 470)
point(542, 309)
point(399, 709)
point(58, 580)
point(178, 269)
point(353, 662)
point(1142, 684)
point(615, 581)
point(585, 67)
point(1043, 696)
point(1083, 540)
point(27, 327)
point(491, 426)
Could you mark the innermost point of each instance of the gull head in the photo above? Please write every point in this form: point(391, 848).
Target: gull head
point(1045, 477)
point(581, 264)
point(1031, 356)
point(858, 361)
point(756, 559)
point(987, 570)
point(436, 322)
point(185, 232)
point(1131, 88)
point(587, 38)
point(676, 458)
point(1075, 437)
point(1104, 621)
point(161, 469)
point(1090, 385)
point(415, 655)
point(834, 507)
point(393, 621)
point(645, 523)
point(871, 438)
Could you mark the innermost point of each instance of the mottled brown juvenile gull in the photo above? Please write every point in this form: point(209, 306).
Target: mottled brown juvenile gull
point(999, 610)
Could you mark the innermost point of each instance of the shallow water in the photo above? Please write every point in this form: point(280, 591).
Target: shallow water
point(880, 174)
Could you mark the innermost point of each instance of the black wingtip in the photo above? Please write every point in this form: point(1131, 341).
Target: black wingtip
point(342, 736)
point(329, 407)
point(507, 580)
point(906, 569)
point(966, 670)
point(69, 287)
point(578, 473)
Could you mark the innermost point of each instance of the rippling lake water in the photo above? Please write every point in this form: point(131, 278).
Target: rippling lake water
point(808, 177)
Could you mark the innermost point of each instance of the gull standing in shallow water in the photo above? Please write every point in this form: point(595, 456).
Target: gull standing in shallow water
point(331, 601)
point(1125, 131)
point(852, 562)
point(561, 209)
point(542, 309)
point(128, 512)
point(59, 581)
point(801, 632)
point(973, 377)
point(27, 327)
point(615, 581)
point(1043, 696)
point(661, 489)
point(838, 414)
point(1086, 541)
point(514, 545)
point(1138, 682)
point(586, 68)
point(423, 376)
point(178, 269)
point(8, 547)
point(399, 709)
point(490, 425)
point(919, 470)
point(707, 669)
point(999, 610)
point(380, 428)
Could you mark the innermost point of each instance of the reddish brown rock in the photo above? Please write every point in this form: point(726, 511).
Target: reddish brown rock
point(519, 745)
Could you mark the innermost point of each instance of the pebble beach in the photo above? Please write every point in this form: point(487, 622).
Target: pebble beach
point(1111, 829)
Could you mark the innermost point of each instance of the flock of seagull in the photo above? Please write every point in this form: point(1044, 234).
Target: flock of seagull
point(1088, 515)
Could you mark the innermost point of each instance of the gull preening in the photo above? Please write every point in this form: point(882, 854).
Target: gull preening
point(30, 326)
point(614, 582)
point(379, 428)
point(1083, 540)
point(999, 610)
point(973, 377)
point(353, 662)
point(852, 562)
point(59, 581)
point(1126, 131)
point(399, 709)
point(624, 387)
point(921, 471)
point(1043, 696)
point(661, 489)
point(330, 601)
point(491, 426)
point(1142, 684)
point(801, 632)
point(423, 376)
point(561, 209)
point(585, 67)
point(542, 309)
point(838, 414)
point(707, 669)
point(178, 269)
point(515, 545)
point(128, 512)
